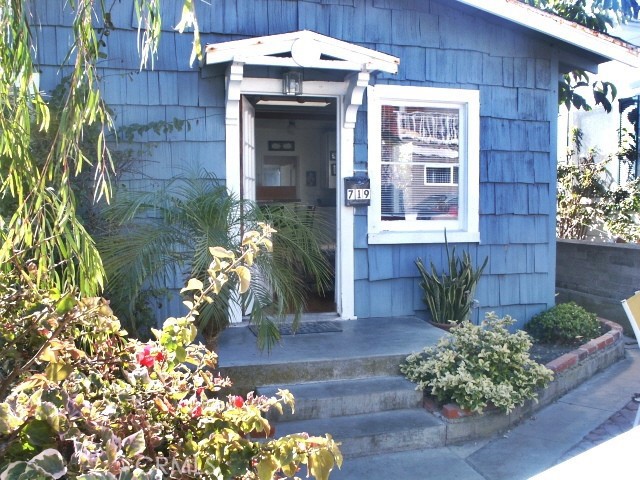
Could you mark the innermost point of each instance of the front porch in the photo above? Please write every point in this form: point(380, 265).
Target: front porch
point(362, 344)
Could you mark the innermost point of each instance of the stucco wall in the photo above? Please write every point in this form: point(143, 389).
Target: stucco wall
point(598, 276)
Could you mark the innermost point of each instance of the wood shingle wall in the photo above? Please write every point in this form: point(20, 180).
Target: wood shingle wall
point(440, 44)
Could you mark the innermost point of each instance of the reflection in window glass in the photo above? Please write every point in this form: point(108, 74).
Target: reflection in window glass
point(420, 163)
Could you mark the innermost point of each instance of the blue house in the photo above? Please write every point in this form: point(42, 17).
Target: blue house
point(448, 108)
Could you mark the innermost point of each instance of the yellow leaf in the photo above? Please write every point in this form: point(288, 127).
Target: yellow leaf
point(320, 464)
point(193, 284)
point(220, 252)
point(48, 355)
point(266, 468)
point(244, 275)
point(57, 372)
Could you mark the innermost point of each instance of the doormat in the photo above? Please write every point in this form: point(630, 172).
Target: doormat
point(304, 327)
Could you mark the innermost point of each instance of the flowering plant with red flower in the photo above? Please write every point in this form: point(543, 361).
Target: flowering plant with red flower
point(162, 399)
point(146, 358)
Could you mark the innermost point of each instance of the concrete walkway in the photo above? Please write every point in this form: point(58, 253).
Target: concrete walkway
point(595, 411)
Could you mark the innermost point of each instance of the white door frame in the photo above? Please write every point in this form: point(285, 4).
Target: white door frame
point(349, 96)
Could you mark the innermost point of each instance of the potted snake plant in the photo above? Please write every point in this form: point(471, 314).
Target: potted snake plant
point(449, 295)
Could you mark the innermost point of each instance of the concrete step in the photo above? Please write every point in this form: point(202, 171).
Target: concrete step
point(375, 433)
point(337, 398)
point(248, 377)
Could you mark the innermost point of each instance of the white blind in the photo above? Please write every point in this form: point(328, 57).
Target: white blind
point(420, 163)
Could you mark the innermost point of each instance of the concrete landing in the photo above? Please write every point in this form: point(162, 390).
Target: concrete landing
point(359, 338)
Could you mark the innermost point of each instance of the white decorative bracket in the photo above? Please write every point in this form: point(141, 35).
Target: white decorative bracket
point(235, 74)
point(353, 99)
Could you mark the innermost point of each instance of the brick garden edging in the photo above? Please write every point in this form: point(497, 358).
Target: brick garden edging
point(570, 370)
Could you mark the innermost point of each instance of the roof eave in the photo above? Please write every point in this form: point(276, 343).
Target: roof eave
point(610, 48)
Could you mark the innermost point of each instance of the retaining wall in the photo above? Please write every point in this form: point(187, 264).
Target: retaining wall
point(598, 276)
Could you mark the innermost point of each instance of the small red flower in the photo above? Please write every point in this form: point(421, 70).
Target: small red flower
point(199, 391)
point(197, 412)
point(146, 359)
point(237, 401)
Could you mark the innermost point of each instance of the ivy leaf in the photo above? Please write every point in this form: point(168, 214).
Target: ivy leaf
point(14, 471)
point(8, 420)
point(50, 463)
point(38, 433)
point(48, 412)
point(134, 444)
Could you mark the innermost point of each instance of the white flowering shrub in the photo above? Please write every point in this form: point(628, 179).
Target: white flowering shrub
point(479, 365)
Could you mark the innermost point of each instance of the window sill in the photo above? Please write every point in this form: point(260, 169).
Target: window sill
point(424, 236)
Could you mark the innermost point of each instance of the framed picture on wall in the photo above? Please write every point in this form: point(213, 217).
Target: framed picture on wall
point(282, 145)
point(311, 178)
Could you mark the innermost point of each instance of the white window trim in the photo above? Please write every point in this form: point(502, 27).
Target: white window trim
point(466, 227)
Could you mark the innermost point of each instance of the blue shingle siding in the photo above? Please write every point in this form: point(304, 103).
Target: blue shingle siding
point(511, 198)
point(524, 72)
point(509, 289)
point(381, 298)
point(438, 67)
point(499, 102)
point(488, 291)
point(414, 28)
point(361, 269)
point(507, 72)
point(282, 16)
point(377, 24)
point(507, 259)
point(362, 294)
point(532, 288)
point(492, 70)
point(380, 258)
point(313, 17)
point(440, 44)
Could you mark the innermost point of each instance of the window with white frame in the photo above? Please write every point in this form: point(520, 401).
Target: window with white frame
point(423, 164)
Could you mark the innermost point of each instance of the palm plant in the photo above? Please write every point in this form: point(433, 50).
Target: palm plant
point(167, 232)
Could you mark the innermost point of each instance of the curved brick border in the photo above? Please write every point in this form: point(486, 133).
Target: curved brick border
point(570, 359)
point(570, 370)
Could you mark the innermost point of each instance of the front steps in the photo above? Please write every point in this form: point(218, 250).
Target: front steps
point(347, 384)
point(369, 416)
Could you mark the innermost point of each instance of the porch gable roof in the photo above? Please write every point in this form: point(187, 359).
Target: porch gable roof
point(301, 49)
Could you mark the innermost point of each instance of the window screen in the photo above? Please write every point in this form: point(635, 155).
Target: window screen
point(419, 163)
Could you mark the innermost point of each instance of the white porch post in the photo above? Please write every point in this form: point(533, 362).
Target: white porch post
point(345, 282)
point(232, 130)
point(235, 73)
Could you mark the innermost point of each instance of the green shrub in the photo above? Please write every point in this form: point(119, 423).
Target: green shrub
point(566, 323)
point(479, 364)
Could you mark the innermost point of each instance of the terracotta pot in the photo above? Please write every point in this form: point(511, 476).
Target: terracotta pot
point(443, 326)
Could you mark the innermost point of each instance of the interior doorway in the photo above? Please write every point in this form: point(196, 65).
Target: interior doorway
point(296, 163)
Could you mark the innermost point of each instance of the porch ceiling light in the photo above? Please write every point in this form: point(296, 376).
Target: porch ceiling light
point(292, 103)
point(292, 83)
